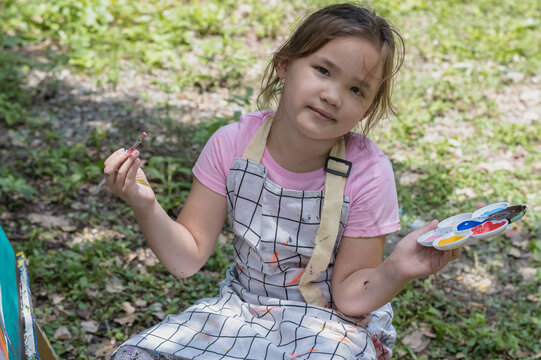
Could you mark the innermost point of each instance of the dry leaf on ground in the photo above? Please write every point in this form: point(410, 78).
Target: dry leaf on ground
point(62, 333)
point(90, 326)
point(49, 221)
point(128, 319)
point(418, 341)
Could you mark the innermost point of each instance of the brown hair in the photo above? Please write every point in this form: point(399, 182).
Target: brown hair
point(333, 22)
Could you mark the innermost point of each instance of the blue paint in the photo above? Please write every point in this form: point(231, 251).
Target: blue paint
point(490, 212)
point(468, 224)
point(307, 219)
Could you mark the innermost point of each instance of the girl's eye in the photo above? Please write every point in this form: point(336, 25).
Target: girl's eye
point(322, 70)
point(357, 91)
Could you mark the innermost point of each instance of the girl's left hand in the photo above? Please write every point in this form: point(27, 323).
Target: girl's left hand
point(411, 260)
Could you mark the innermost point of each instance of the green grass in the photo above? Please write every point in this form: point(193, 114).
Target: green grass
point(464, 149)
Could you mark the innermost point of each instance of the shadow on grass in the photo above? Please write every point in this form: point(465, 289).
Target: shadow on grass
point(88, 257)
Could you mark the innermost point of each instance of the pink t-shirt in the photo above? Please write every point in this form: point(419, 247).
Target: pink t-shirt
point(370, 186)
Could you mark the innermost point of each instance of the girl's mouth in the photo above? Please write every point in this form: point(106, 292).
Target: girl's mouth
point(321, 113)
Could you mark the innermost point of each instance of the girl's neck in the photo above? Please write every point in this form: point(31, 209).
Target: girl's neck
point(293, 151)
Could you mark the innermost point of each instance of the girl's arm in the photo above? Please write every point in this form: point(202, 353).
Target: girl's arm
point(362, 282)
point(183, 246)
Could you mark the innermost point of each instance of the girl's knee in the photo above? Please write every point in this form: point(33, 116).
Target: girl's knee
point(129, 352)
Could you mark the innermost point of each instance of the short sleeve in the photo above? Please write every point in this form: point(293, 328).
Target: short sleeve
point(213, 164)
point(226, 144)
point(374, 203)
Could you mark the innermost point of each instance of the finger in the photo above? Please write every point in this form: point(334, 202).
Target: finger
point(132, 172)
point(426, 228)
point(455, 253)
point(431, 225)
point(113, 156)
point(113, 165)
point(114, 162)
point(451, 255)
point(124, 168)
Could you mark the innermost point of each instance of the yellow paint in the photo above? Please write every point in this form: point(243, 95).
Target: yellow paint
point(450, 240)
point(142, 182)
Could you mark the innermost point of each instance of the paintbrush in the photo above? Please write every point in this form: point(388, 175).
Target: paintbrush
point(132, 148)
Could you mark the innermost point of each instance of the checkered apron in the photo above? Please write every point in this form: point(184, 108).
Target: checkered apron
point(262, 311)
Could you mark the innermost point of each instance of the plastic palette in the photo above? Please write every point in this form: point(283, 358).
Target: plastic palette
point(483, 223)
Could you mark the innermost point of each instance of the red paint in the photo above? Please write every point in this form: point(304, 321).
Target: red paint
point(274, 260)
point(487, 226)
point(296, 278)
point(267, 310)
point(142, 137)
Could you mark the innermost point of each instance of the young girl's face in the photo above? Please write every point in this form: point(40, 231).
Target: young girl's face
point(328, 92)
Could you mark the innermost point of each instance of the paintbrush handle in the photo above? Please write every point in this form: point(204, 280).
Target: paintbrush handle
point(140, 140)
point(129, 151)
point(135, 145)
point(100, 185)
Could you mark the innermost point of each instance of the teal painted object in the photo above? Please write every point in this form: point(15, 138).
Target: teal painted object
point(10, 297)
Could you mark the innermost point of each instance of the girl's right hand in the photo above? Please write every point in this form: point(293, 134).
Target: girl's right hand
point(413, 261)
point(124, 177)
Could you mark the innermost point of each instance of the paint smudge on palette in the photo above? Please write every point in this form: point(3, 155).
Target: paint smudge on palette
point(469, 224)
point(428, 238)
point(432, 238)
point(511, 214)
point(490, 209)
point(487, 227)
point(452, 240)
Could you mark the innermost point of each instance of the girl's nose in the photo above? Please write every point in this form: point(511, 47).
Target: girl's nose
point(331, 95)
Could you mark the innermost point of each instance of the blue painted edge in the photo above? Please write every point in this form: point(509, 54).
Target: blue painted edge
point(10, 297)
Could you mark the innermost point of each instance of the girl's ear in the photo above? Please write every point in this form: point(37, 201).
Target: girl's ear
point(281, 68)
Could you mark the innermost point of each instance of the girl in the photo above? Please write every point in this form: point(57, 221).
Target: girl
point(309, 201)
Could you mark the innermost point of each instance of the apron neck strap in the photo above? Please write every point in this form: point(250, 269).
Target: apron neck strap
point(327, 234)
point(337, 169)
point(257, 144)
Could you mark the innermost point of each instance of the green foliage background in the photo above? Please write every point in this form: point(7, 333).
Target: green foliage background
point(463, 58)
